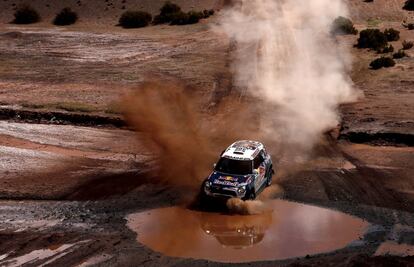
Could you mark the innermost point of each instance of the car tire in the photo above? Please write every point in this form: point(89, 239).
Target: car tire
point(269, 181)
point(251, 195)
point(269, 177)
point(203, 197)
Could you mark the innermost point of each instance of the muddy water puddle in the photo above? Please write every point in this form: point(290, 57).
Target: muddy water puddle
point(289, 230)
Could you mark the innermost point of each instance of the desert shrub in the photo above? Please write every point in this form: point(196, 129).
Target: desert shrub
point(135, 19)
point(342, 25)
point(409, 5)
point(386, 49)
point(382, 62)
point(172, 13)
point(372, 38)
point(157, 20)
point(194, 17)
point(208, 13)
point(169, 8)
point(407, 45)
point(168, 12)
point(182, 18)
point(205, 13)
point(400, 54)
point(65, 17)
point(392, 35)
point(26, 15)
point(179, 18)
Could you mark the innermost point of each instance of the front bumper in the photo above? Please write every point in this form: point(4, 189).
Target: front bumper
point(224, 192)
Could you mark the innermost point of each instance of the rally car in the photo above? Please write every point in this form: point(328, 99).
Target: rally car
point(243, 171)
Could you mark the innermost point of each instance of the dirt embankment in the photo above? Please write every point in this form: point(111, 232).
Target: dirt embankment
point(107, 62)
point(387, 10)
point(60, 117)
point(384, 115)
point(99, 12)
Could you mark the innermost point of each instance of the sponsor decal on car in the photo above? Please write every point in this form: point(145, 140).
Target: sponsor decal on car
point(225, 182)
point(228, 178)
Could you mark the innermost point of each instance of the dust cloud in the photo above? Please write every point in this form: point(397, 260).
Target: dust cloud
point(292, 76)
point(286, 57)
point(169, 118)
point(186, 141)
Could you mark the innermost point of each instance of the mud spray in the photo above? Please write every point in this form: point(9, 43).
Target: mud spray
point(186, 140)
point(285, 61)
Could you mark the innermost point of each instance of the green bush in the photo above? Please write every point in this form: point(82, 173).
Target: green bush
point(407, 45)
point(342, 25)
point(65, 17)
point(386, 49)
point(382, 62)
point(158, 20)
point(135, 19)
point(409, 5)
point(400, 54)
point(179, 18)
point(372, 38)
point(392, 35)
point(172, 14)
point(168, 12)
point(208, 13)
point(169, 8)
point(194, 17)
point(26, 15)
point(182, 18)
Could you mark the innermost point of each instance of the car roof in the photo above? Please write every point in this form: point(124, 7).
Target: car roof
point(243, 150)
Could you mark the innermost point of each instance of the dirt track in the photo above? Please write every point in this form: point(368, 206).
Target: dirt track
point(378, 189)
point(67, 189)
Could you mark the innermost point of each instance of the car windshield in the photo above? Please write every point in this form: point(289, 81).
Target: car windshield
point(232, 166)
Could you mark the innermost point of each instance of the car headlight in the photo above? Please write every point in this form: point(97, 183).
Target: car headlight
point(208, 185)
point(241, 190)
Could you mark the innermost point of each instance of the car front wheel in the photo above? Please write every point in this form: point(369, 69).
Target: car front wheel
point(251, 194)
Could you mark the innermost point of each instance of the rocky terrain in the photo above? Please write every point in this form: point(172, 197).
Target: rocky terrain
point(72, 170)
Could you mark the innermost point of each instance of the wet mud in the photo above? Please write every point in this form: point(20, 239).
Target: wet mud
point(288, 230)
point(106, 178)
point(102, 200)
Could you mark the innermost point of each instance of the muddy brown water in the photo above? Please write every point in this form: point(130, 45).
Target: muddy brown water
point(288, 230)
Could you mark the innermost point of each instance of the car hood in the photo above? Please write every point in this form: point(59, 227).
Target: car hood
point(218, 178)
